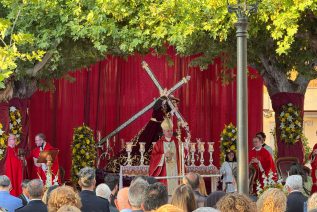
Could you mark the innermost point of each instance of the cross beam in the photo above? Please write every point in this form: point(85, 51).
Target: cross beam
point(169, 102)
point(141, 112)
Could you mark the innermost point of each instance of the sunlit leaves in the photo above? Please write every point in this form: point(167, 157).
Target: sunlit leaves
point(80, 32)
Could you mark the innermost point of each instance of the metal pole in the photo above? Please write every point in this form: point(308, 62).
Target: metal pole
point(242, 105)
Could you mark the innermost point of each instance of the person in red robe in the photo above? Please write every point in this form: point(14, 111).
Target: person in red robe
point(313, 162)
point(14, 166)
point(164, 157)
point(262, 162)
point(41, 168)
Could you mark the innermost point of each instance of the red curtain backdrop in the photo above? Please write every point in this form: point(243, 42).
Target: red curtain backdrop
point(113, 90)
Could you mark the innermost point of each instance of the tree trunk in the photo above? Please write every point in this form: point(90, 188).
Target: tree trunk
point(282, 91)
point(278, 100)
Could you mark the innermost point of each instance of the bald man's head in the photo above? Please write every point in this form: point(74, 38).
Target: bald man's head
point(122, 201)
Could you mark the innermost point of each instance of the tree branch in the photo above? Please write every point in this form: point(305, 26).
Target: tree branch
point(302, 83)
point(33, 71)
point(14, 23)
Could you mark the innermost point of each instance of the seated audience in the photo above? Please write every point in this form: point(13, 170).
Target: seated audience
point(63, 195)
point(35, 189)
point(235, 202)
point(297, 169)
point(312, 202)
point(89, 200)
point(68, 208)
point(213, 198)
point(192, 179)
point(122, 201)
point(103, 191)
point(136, 194)
point(7, 201)
point(112, 181)
point(155, 196)
point(295, 199)
point(183, 197)
point(272, 199)
point(24, 196)
point(169, 208)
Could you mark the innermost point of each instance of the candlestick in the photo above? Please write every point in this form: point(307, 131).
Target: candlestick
point(142, 150)
point(129, 150)
point(192, 151)
point(201, 147)
point(211, 150)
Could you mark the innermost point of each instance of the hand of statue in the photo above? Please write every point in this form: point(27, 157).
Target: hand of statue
point(315, 152)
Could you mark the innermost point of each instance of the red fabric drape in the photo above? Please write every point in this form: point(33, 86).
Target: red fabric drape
point(278, 100)
point(115, 89)
point(4, 120)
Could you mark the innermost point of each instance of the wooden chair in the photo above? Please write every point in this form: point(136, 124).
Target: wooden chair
point(283, 165)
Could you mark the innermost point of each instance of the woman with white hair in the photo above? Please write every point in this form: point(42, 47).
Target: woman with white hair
point(103, 191)
point(295, 199)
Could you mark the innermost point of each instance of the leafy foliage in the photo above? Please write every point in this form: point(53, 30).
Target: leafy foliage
point(228, 138)
point(83, 149)
point(77, 33)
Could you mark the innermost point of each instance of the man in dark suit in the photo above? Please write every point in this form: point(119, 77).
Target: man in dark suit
point(295, 199)
point(24, 196)
point(89, 200)
point(35, 189)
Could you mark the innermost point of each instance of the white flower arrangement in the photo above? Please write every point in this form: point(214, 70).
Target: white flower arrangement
point(269, 182)
point(290, 124)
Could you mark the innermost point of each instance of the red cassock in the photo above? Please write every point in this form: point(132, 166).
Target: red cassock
point(14, 170)
point(39, 173)
point(313, 161)
point(157, 153)
point(267, 163)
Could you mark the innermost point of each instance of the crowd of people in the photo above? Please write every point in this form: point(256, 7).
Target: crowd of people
point(146, 194)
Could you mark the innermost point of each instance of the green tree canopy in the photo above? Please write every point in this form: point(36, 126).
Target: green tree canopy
point(75, 33)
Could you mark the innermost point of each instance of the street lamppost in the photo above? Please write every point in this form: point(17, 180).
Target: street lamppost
point(242, 8)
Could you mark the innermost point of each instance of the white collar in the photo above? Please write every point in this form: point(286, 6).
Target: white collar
point(257, 149)
point(168, 139)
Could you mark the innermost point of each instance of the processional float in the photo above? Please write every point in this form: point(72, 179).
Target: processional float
point(190, 147)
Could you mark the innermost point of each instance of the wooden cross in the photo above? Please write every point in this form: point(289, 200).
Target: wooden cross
point(149, 106)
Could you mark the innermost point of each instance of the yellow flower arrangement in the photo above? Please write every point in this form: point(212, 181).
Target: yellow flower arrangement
point(3, 139)
point(15, 123)
point(83, 149)
point(290, 124)
point(228, 138)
